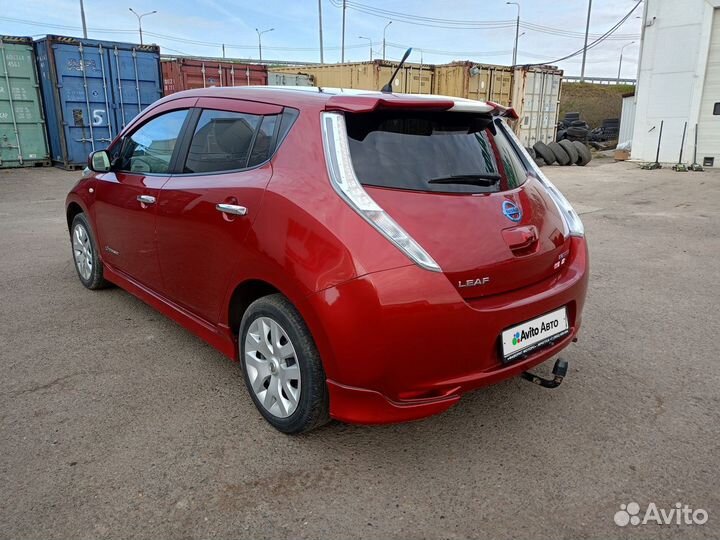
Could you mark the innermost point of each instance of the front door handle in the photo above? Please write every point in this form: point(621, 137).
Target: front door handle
point(146, 199)
point(231, 209)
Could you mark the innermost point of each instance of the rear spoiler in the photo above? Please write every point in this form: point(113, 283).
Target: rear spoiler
point(500, 110)
point(370, 103)
point(426, 102)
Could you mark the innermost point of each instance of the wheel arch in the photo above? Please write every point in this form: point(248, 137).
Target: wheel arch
point(244, 294)
point(72, 210)
point(249, 290)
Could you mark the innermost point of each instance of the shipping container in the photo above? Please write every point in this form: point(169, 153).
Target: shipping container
point(536, 99)
point(23, 142)
point(484, 82)
point(412, 78)
point(91, 90)
point(186, 73)
point(289, 79)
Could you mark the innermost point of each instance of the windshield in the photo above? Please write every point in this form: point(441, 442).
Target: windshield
point(438, 152)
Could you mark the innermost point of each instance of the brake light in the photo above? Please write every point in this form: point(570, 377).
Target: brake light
point(346, 184)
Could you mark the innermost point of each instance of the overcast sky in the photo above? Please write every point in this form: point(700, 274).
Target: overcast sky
point(199, 27)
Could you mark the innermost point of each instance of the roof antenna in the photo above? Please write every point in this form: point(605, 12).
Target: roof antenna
point(388, 86)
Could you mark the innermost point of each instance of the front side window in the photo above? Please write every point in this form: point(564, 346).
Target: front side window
point(150, 148)
point(446, 152)
point(222, 141)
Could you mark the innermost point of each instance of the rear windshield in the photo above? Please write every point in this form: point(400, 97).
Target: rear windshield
point(438, 151)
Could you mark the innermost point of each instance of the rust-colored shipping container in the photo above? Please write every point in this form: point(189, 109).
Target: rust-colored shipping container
point(183, 73)
point(412, 78)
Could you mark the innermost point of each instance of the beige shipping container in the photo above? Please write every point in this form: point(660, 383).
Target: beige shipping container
point(536, 99)
point(470, 80)
point(412, 78)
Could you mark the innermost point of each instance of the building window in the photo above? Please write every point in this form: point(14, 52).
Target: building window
point(716, 109)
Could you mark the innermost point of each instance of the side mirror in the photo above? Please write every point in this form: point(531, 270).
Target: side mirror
point(99, 161)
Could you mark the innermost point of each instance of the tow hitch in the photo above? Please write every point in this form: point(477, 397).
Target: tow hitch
point(559, 371)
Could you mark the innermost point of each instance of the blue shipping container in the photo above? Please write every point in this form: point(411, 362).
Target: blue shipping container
point(91, 90)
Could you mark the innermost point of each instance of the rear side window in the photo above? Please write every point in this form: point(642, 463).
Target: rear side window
point(264, 141)
point(222, 141)
point(446, 152)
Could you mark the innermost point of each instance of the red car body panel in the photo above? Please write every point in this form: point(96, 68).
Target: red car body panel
point(397, 342)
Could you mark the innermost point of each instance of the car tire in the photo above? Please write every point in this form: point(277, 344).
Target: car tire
point(530, 150)
point(579, 132)
point(569, 147)
point(540, 162)
point(560, 154)
point(542, 150)
point(86, 258)
point(584, 155)
point(288, 388)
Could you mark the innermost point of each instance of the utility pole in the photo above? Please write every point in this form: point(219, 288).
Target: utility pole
point(342, 47)
point(82, 16)
point(587, 31)
point(384, 31)
point(621, 55)
point(259, 33)
point(370, 41)
point(517, 31)
point(322, 61)
point(139, 18)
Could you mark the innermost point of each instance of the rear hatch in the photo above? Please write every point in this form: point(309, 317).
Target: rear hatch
point(456, 184)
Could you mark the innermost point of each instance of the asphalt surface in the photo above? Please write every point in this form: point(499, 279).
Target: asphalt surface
point(117, 423)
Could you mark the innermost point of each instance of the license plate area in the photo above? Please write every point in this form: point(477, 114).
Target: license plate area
point(523, 339)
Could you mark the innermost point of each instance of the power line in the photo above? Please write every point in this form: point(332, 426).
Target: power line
point(450, 53)
point(455, 24)
point(595, 42)
point(422, 21)
point(178, 39)
point(169, 37)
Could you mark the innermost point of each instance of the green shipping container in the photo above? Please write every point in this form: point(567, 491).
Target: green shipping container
point(23, 141)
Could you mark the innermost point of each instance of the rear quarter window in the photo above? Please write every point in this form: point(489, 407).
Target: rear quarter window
point(436, 152)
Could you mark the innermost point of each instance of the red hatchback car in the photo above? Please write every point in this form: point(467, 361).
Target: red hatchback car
point(366, 256)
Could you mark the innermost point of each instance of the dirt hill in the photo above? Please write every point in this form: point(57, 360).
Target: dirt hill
point(594, 102)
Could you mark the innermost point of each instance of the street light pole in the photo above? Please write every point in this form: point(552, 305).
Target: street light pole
point(384, 31)
point(621, 56)
point(342, 46)
point(370, 41)
point(322, 61)
point(517, 31)
point(259, 33)
point(587, 31)
point(82, 16)
point(139, 18)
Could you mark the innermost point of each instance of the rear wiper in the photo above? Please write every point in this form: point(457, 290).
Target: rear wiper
point(487, 179)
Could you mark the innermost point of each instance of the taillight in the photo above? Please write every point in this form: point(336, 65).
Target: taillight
point(346, 184)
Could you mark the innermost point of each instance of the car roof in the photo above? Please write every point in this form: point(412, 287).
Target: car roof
point(342, 99)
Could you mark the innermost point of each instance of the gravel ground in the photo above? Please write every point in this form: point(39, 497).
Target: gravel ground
point(117, 423)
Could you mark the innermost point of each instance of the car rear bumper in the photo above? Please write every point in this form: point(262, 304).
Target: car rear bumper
point(402, 344)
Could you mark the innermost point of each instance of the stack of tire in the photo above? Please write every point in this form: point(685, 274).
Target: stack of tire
point(565, 152)
point(609, 131)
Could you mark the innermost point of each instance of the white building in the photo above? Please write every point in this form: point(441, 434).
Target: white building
point(679, 81)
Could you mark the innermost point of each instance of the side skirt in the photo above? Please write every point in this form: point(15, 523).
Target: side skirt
point(220, 337)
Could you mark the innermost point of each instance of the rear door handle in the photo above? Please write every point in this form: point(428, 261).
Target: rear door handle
point(146, 199)
point(231, 209)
